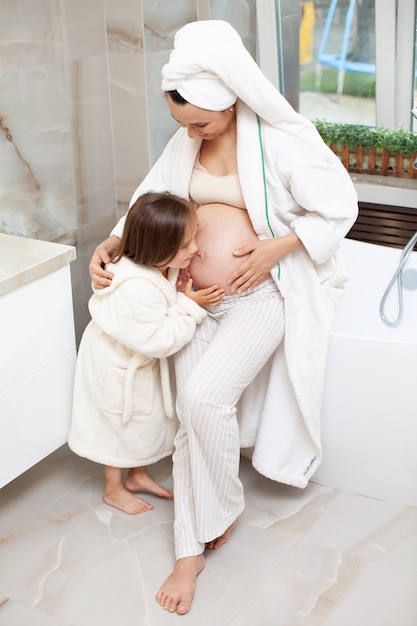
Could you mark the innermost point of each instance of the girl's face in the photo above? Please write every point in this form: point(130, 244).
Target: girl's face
point(201, 122)
point(188, 247)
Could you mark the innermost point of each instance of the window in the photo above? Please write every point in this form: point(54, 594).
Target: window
point(356, 60)
point(337, 60)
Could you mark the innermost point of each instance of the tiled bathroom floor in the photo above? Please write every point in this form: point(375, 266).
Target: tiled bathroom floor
point(296, 558)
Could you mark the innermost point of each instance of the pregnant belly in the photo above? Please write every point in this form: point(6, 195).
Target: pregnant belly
point(222, 229)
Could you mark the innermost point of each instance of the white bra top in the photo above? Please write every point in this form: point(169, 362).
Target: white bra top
point(206, 187)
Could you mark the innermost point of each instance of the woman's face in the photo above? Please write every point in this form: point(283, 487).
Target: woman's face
point(201, 122)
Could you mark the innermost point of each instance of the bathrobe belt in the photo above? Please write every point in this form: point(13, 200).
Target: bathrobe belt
point(136, 362)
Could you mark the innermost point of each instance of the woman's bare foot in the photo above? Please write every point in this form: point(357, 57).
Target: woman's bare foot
point(219, 541)
point(177, 592)
point(138, 480)
point(121, 499)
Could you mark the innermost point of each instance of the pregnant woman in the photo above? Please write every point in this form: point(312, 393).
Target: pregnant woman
point(274, 204)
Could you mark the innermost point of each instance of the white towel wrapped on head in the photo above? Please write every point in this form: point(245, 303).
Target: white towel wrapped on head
point(210, 67)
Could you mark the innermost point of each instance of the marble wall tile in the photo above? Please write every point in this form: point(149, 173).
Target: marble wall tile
point(241, 14)
point(84, 28)
point(54, 91)
point(34, 134)
point(127, 84)
point(161, 21)
point(129, 123)
point(124, 26)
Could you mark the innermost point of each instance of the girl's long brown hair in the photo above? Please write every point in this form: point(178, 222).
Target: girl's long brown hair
point(155, 228)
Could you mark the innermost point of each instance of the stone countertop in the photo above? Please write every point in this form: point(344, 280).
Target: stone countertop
point(23, 260)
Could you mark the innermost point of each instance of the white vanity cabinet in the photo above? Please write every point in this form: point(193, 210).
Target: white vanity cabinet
point(37, 351)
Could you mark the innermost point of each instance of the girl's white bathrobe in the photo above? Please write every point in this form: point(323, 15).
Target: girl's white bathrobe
point(287, 186)
point(123, 409)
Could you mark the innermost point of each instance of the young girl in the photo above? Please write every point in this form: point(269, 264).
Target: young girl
point(123, 413)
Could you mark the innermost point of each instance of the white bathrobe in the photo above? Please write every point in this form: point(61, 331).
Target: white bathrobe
point(123, 409)
point(311, 194)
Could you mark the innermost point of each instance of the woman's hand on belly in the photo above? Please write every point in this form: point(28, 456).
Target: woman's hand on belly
point(263, 256)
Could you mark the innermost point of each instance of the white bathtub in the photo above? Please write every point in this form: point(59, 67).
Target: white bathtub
point(369, 428)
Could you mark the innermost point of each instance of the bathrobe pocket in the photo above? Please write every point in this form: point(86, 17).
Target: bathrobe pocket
point(137, 391)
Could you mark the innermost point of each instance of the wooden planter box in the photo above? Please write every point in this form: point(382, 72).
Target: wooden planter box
point(363, 161)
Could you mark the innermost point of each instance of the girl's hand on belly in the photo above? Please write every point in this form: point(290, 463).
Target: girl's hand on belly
point(183, 279)
point(211, 296)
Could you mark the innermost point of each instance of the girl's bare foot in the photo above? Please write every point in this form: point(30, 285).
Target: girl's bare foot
point(177, 592)
point(128, 503)
point(138, 480)
point(219, 541)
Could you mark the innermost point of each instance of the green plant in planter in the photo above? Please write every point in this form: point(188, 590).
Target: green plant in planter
point(354, 135)
point(368, 150)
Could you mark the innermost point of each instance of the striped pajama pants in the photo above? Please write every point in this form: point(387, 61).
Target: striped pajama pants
point(229, 349)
